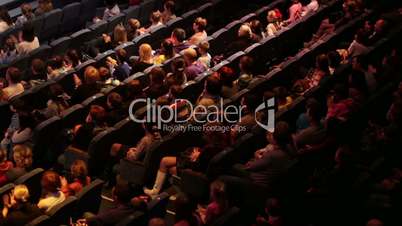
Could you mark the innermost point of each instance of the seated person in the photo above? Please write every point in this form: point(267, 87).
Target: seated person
point(145, 59)
point(155, 19)
point(138, 152)
point(8, 52)
point(57, 103)
point(244, 40)
point(115, 110)
point(310, 8)
point(22, 156)
point(5, 166)
point(200, 33)
point(27, 14)
point(44, 6)
point(295, 11)
point(194, 68)
point(119, 67)
point(78, 178)
point(218, 204)
point(5, 19)
point(359, 45)
point(195, 158)
point(17, 210)
point(166, 52)
point(157, 86)
point(274, 19)
point(51, 194)
point(15, 87)
point(133, 28)
point(178, 37)
point(108, 42)
point(27, 40)
point(273, 215)
point(90, 86)
point(204, 57)
point(168, 12)
point(112, 9)
point(177, 75)
point(55, 67)
point(211, 93)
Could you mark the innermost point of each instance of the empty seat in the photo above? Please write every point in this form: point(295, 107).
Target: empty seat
point(129, 47)
point(51, 23)
point(69, 20)
point(132, 12)
point(87, 10)
point(60, 45)
point(158, 34)
point(32, 181)
point(99, 152)
point(45, 139)
point(61, 213)
point(114, 21)
point(80, 37)
point(89, 198)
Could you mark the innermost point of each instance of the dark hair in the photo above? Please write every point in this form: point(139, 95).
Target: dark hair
point(167, 47)
point(74, 56)
point(134, 89)
point(361, 37)
point(213, 85)
point(227, 77)
point(110, 3)
point(247, 64)
point(170, 5)
point(115, 100)
point(38, 66)
point(157, 75)
point(28, 32)
point(122, 192)
point(177, 77)
point(322, 62)
point(51, 181)
point(55, 62)
point(184, 209)
point(14, 74)
point(282, 133)
point(314, 112)
point(334, 59)
point(256, 27)
point(341, 91)
point(4, 16)
point(179, 34)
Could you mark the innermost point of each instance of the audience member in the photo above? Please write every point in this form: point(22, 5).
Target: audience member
point(178, 37)
point(5, 166)
point(166, 52)
point(310, 8)
point(295, 11)
point(27, 14)
point(44, 6)
point(27, 40)
point(193, 67)
point(218, 204)
point(51, 194)
point(22, 157)
point(78, 179)
point(200, 33)
point(89, 88)
point(168, 12)
point(204, 57)
point(177, 75)
point(145, 59)
point(112, 9)
point(5, 19)
point(133, 26)
point(358, 46)
point(274, 18)
point(15, 87)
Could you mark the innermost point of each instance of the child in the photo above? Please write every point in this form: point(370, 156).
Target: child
point(205, 57)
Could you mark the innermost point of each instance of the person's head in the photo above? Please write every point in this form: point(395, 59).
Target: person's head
point(246, 65)
point(73, 56)
point(114, 100)
point(121, 192)
point(157, 75)
point(120, 34)
point(50, 182)
point(134, 88)
point(28, 32)
point(54, 63)
point(26, 120)
point(55, 92)
point(256, 27)
point(178, 36)
point(110, 3)
point(374, 222)
point(322, 62)
point(227, 76)
point(281, 135)
point(104, 73)
point(4, 16)
point(91, 75)
point(199, 24)
point(18, 105)
point(217, 193)
point(190, 55)
point(157, 222)
point(361, 37)
point(22, 156)
point(167, 48)
point(9, 44)
point(20, 194)
point(272, 17)
point(334, 59)
point(13, 75)
point(169, 6)
point(79, 171)
point(251, 101)
point(122, 56)
point(97, 115)
point(134, 25)
point(203, 47)
point(26, 10)
point(380, 25)
point(213, 86)
point(156, 17)
point(245, 31)
point(145, 52)
point(38, 67)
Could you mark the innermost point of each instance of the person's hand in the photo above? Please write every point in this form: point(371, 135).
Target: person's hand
point(77, 80)
point(111, 63)
point(80, 222)
point(63, 182)
point(259, 153)
point(106, 38)
point(6, 200)
point(195, 154)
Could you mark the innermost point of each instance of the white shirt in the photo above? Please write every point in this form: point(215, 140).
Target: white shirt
point(51, 200)
point(26, 47)
point(311, 7)
point(111, 12)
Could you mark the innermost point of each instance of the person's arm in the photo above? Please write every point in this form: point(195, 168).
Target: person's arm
point(259, 164)
point(22, 136)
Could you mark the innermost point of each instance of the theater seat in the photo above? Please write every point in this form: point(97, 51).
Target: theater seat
point(132, 12)
point(43, 220)
point(129, 47)
point(195, 185)
point(32, 181)
point(229, 218)
point(43, 52)
point(72, 116)
point(135, 219)
point(128, 132)
point(173, 23)
point(157, 206)
point(80, 69)
point(51, 23)
point(113, 21)
point(99, 152)
point(142, 77)
point(89, 199)
point(80, 37)
point(87, 10)
point(192, 90)
point(5, 190)
point(98, 28)
point(158, 34)
point(147, 7)
point(102, 57)
point(187, 21)
point(144, 38)
point(60, 45)
point(61, 213)
point(66, 80)
point(69, 21)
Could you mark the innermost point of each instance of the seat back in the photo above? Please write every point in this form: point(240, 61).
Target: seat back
point(73, 115)
point(60, 45)
point(228, 218)
point(114, 21)
point(89, 198)
point(61, 213)
point(43, 220)
point(80, 37)
point(69, 21)
point(135, 219)
point(99, 151)
point(51, 23)
point(132, 12)
point(146, 9)
point(32, 181)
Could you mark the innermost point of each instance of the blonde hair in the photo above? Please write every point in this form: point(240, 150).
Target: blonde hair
point(204, 45)
point(21, 193)
point(145, 52)
point(22, 155)
point(156, 17)
point(190, 53)
point(91, 75)
point(245, 30)
point(120, 34)
point(271, 16)
point(201, 23)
